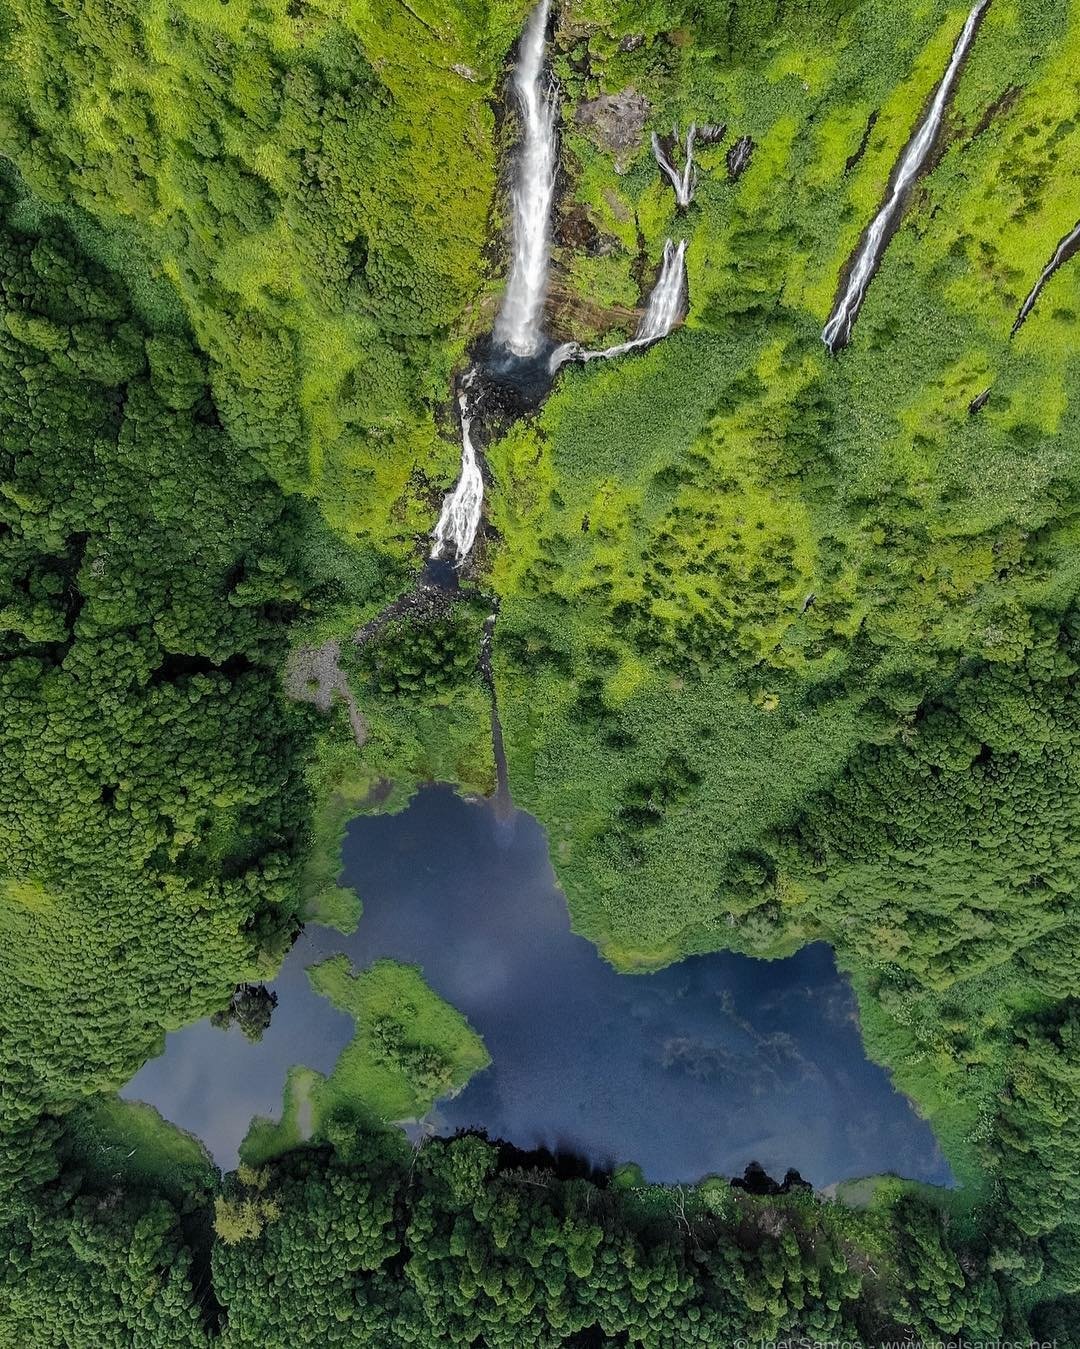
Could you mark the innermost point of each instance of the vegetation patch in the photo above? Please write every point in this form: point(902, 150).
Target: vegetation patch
point(409, 1049)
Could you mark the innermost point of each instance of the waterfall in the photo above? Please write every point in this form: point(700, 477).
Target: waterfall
point(1064, 251)
point(683, 183)
point(665, 307)
point(518, 326)
point(837, 332)
point(460, 516)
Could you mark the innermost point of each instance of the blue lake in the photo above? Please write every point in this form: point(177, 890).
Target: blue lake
point(699, 1069)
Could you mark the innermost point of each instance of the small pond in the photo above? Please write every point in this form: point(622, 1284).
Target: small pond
point(700, 1068)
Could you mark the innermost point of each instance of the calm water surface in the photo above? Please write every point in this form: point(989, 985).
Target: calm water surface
point(698, 1069)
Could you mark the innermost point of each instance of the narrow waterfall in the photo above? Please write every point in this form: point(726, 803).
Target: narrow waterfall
point(460, 516)
point(518, 327)
point(683, 183)
point(666, 301)
point(837, 332)
point(1064, 251)
point(665, 307)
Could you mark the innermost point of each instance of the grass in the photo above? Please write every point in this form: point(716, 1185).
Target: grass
point(267, 1138)
point(127, 1145)
point(364, 1080)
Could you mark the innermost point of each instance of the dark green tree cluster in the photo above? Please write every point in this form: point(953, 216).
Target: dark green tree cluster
point(730, 30)
point(466, 1244)
point(428, 1072)
point(251, 1008)
point(950, 849)
point(88, 1271)
point(945, 1292)
point(1037, 1139)
point(415, 657)
point(152, 815)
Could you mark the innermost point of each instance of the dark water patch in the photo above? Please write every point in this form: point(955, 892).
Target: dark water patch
point(700, 1068)
point(512, 385)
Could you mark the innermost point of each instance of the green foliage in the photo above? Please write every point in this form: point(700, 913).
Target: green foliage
point(460, 1244)
point(89, 1273)
point(1038, 1133)
point(151, 821)
point(290, 168)
point(251, 1008)
point(786, 648)
point(112, 1143)
point(940, 1298)
point(412, 659)
point(409, 1049)
point(761, 553)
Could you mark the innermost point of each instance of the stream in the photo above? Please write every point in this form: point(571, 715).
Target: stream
point(698, 1069)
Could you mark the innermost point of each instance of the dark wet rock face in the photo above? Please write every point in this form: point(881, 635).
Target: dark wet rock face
point(1067, 248)
point(853, 159)
point(998, 108)
point(577, 231)
point(615, 121)
point(978, 402)
point(631, 42)
point(738, 157)
point(712, 133)
point(511, 385)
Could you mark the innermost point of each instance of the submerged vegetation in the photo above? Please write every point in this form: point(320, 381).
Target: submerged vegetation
point(787, 645)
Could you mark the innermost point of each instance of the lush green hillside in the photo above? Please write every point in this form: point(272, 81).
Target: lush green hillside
point(787, 645)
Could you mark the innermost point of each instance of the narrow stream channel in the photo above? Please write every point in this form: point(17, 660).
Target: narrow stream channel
point(698, 1069)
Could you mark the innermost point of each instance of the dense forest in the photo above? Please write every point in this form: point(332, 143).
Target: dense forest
point(471, 1244)
point(787, 645)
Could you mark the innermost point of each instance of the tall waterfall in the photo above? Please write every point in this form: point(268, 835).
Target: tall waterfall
point(460, 516)
point(837, 332)
point(518, 327)
point(1064, 251)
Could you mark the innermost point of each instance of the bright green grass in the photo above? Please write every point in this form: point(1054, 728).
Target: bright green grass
point(363, 1083)
point(126, 1144)
point(266, 1138)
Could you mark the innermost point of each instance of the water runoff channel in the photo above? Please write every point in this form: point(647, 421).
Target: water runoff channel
point(698, 1069)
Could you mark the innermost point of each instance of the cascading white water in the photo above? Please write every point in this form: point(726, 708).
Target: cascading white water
point(518, 327)
point(837, 331)
point(665, 307)
point(1064, 251)
point(460, 515)
point(666, 301)
point(683, 183)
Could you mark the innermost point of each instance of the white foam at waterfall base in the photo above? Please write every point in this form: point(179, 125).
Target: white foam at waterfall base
point(838, 329)
point(519, 325)
point(460, 515)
